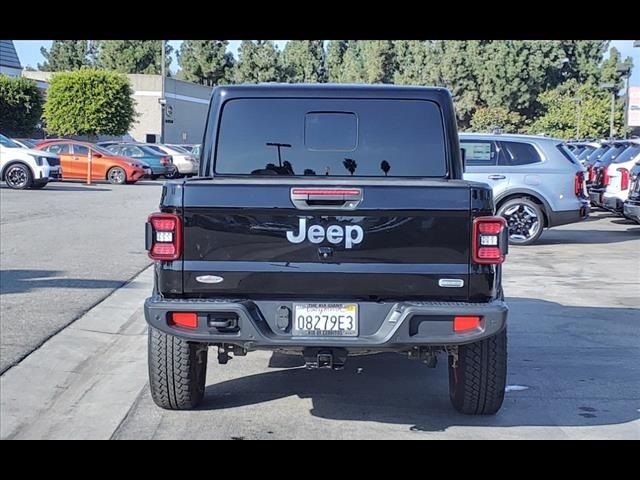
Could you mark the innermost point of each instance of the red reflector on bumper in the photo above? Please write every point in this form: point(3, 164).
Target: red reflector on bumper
point(461, 324)
point(184, 319)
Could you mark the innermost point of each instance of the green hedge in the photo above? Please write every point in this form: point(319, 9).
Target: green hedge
point(89, 102)
point(20, 106)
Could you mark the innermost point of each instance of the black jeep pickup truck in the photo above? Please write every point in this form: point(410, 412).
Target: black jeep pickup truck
point(328, 221)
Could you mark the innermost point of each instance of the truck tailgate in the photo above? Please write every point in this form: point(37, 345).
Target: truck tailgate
point(244, 239)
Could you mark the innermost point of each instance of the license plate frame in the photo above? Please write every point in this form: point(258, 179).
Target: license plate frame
point(332, 315)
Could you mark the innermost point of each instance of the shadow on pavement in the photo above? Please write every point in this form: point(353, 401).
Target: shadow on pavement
point(64, 188)
point(22, 281)
point(565, 383)
point(623, 221)
point(587, 237)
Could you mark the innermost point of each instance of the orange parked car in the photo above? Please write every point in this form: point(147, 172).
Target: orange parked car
point(104, 164)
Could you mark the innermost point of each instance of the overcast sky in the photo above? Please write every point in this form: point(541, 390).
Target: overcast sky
point(29, 53)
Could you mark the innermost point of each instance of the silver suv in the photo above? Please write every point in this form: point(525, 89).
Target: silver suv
point(537, 182)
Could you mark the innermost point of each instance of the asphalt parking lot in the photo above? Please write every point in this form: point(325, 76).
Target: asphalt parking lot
point(63, 249)
point(574, 343)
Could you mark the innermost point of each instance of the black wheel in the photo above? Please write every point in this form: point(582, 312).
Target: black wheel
point(38, 186)
point(116, 176)
point(177, 371)
point(478, 379)
point(18, 176)
point(525, 220)
point(174, 173)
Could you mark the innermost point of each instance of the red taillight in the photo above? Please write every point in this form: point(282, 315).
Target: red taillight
point(624, 178)
point(605, 176)
point(578, 183)
point(489, 242)
point(460, 324)
point(166, 236)
point(184, 319)
point(165, 160)
point(163, 224)
point(592, 174)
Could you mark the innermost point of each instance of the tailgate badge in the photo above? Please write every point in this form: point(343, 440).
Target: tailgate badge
point(209, 279)
point(325, 252)
point(451, 282)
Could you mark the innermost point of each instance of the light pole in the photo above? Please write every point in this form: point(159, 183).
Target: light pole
point(625, 70)
point(612, 87)
point(162, 100)
point(578, 100)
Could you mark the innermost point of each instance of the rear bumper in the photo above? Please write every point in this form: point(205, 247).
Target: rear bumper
point(595, 196)
point(160, 169)
point(565, 217)
point(383, 326)
point(613, 202)
point(631, 210)
point(187, 168)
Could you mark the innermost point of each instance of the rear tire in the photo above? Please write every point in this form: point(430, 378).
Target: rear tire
point(172, 174)
point(177, 371)
point(476, 385)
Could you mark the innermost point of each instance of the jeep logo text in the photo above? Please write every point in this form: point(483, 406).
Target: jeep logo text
point(351, 234)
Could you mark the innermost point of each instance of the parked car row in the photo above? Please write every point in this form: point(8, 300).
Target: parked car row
point(612, 173)
point(28, 163)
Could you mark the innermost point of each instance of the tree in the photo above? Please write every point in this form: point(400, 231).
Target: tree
point(133, 56)
point(206, 61)
point(378, 61)
point(454, 65)
point(20, 106)
point(303, 61)
point(66, 55)
point(258, 61)
point(582, 59)
point(412, 63)
point(352, 70)
point(485, 119)
point(609, 72)
point(335, 56)
point(89, 102)
point(512, 73)
point(571, 103)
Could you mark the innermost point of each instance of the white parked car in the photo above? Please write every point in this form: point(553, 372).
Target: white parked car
point(22, 168)
point(618, 177)
point(185, 162)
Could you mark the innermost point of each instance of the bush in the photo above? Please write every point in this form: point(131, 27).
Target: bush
point(485, 119)
point(89, 102)
point(566, 105)
point(20, 106)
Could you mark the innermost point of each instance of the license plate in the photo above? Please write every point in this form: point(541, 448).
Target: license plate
point(325, 320)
